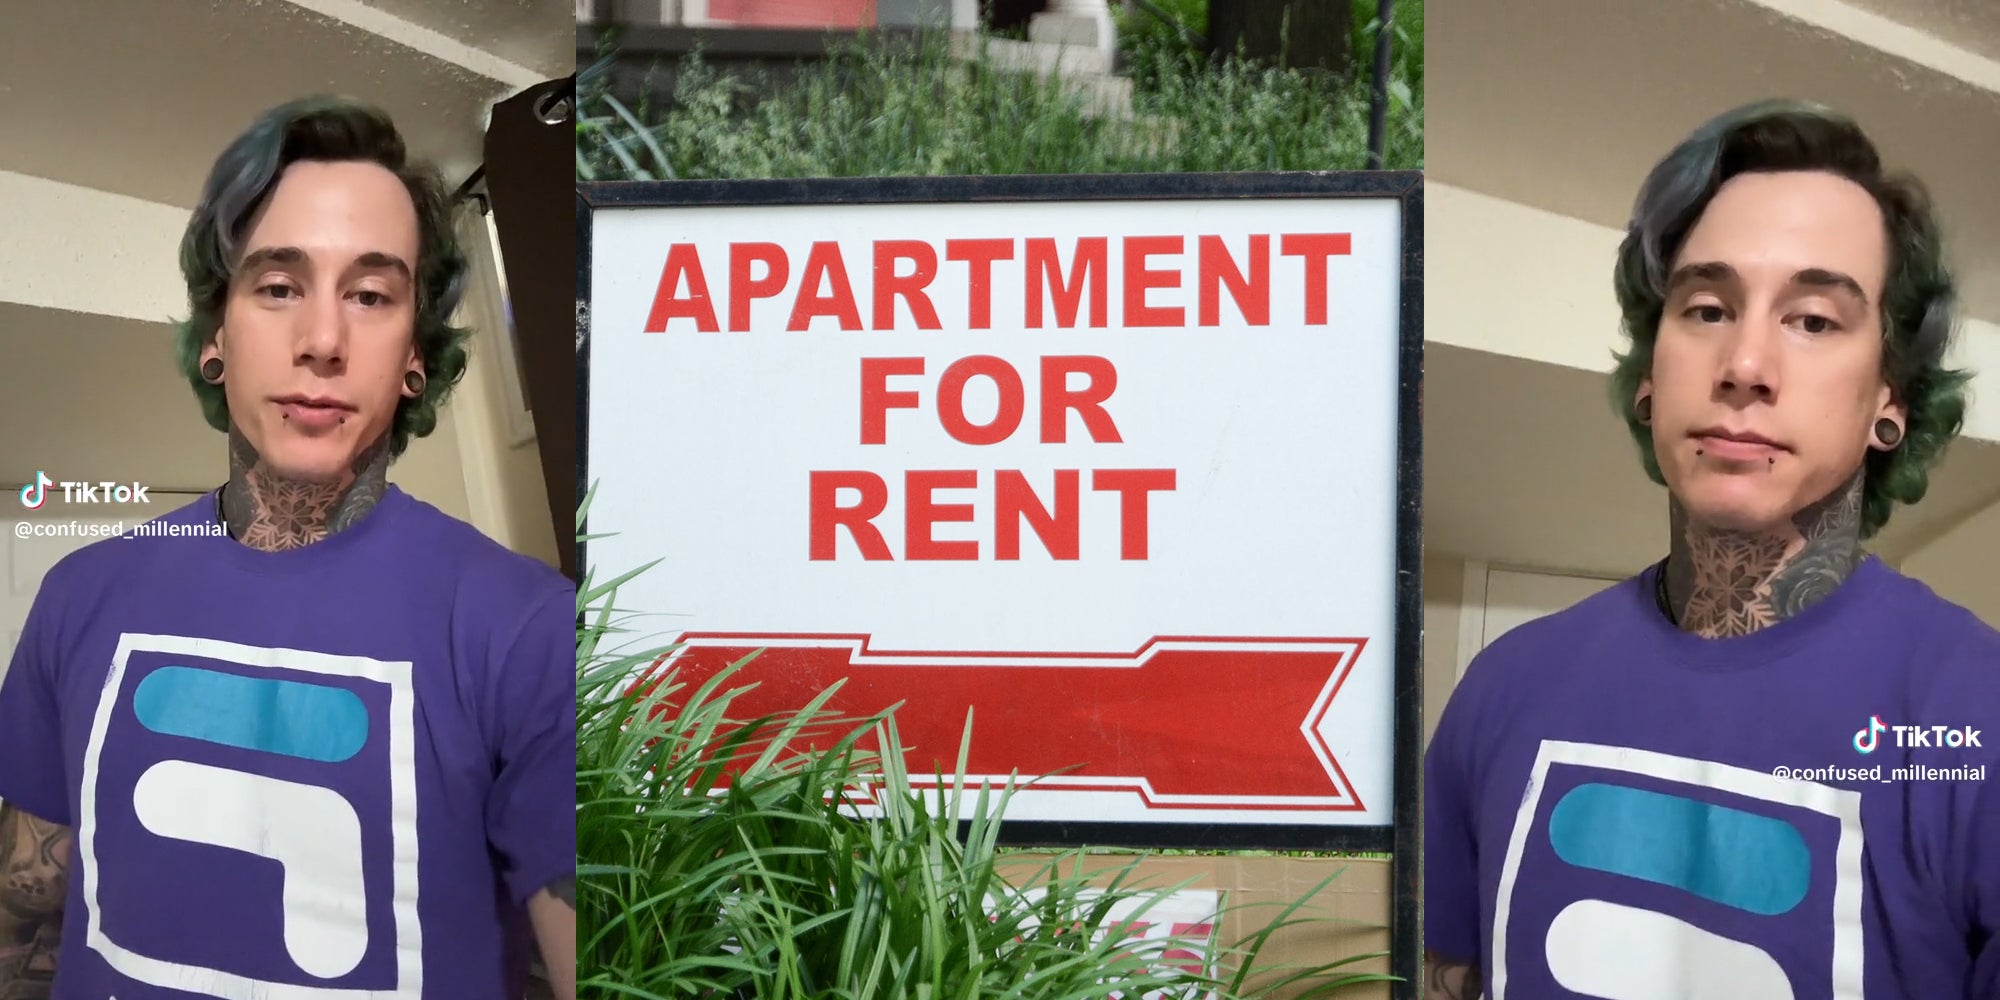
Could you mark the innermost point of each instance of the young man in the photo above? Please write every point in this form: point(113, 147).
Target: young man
point(1661, 792)
point(323, 745)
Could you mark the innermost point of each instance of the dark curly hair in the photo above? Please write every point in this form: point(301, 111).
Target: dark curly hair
point(322, 129)
point(1918, 302)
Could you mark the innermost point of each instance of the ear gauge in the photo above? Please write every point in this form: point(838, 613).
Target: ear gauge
point(414, 381)
point(1643, 409)
point(1888, 433)
point(211, 371)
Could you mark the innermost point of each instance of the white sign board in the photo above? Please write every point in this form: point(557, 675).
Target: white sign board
point(1120, 476)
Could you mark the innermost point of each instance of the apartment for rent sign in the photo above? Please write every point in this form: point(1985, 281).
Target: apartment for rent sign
point(1119, 477)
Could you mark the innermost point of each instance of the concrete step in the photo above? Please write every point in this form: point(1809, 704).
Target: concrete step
point(1082, 71)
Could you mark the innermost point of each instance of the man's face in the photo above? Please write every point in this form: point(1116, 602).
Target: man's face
point(1766, 378)
point(317, 329)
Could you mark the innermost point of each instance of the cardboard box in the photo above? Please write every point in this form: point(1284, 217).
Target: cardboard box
point(1350, 916)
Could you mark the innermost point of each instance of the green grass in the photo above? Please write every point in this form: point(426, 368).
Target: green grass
point(880, 110)
point(769, 886)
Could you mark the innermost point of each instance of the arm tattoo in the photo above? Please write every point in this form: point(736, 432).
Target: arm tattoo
point(34, 868)
point(1446, 979)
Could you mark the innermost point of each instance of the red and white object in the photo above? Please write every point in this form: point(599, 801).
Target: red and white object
point(1118, 476)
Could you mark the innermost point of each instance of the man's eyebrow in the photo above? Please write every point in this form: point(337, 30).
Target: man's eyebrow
point(1812, 277)
point(1708, 270)
point(1819, 277)
point(373, 260)
point(271, 255)
point(377, 260)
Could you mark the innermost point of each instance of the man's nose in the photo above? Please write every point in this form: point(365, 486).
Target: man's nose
point(322, 332)
point(1749, 364)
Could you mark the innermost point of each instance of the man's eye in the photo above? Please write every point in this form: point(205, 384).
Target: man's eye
point(1708, 314)
point(371, 299)
point(278, 291)
point(1817, 324)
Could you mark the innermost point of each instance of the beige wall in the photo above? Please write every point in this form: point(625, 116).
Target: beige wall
point(501, 476)
point(1959, 565)
point(1444, 589)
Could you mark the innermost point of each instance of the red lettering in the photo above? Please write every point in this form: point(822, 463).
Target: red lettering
point(920, 513)
point(1058, 398)
point(979, 256)
point(951, 400)
point(1092, 270)
point(1014, 500)
point(743, 288)
point(1252, 294)
point(823, 263)
point(889, 284)
point(682, 260)
point(876, 399)
point(1138, 280)
point(1132, 487)
point(826, 514)
point(1316, 248)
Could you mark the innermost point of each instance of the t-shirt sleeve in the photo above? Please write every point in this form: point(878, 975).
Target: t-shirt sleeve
point(1976, 839)
point(531, 808)
point(1956, 823)
point(31, 761)
point(1451, 869)
point(1985, 834)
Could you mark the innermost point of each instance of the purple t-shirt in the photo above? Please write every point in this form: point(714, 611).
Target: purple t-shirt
point(334, 772)
point(1617, 809)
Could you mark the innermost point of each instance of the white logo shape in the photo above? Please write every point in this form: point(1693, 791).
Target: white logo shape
point(1591, 950)
point(311, 831)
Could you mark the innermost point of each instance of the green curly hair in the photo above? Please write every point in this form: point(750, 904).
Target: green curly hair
point(337, 130)
point(1918, 303)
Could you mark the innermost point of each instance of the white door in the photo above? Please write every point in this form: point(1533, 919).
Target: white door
point(30, 558)
point(1500, 600)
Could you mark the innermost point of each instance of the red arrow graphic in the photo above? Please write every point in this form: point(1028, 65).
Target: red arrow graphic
point(1184, 722)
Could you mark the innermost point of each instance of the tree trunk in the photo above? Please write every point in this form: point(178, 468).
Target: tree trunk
point(1302, 34)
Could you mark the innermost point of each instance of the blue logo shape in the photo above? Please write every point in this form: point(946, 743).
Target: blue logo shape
point(1753, 863)
point(308, 721)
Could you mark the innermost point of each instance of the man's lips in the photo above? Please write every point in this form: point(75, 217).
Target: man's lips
point(323, 402)
point(1736, 445)
point(314, 413)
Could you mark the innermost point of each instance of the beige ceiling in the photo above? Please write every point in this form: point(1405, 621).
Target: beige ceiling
point(1970, 24)
point(536, 34)
point(1525, 465)
point(137, 97)
point(1565, 104)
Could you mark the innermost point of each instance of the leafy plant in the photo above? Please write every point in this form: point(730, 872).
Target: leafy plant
point(888, 110)
point(720, 857)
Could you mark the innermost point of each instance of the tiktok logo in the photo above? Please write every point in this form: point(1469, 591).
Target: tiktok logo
point(1950, 737)
point(36, 493)
point(1866, 739)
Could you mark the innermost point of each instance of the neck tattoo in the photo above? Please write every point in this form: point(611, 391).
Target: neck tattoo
point(1718, 583)
point(268, 511)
